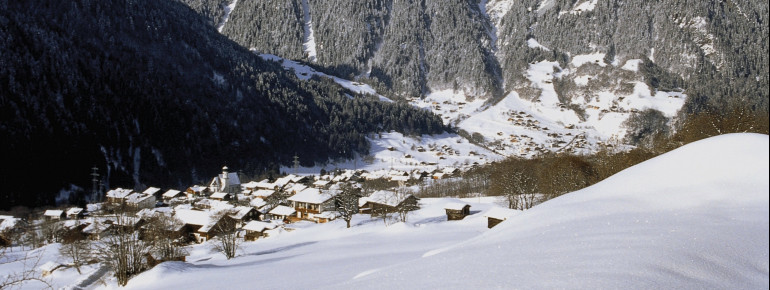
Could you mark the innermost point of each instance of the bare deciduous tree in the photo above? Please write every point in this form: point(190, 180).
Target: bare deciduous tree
point(347, 203)
point(79, 251)
point(405, 206)
point(123, 251)
point(228, 240)
point(51, 231)
point(163, 233)
point(519, 189)
point(26, 265)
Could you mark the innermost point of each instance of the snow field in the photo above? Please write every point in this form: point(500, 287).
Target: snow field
point(696, 217)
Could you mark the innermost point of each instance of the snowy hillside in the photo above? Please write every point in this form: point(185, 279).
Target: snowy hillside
point(696, 217)
point(543, 122)
point(518, 126)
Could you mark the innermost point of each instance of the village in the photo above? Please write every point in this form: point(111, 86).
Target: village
point(246, 211)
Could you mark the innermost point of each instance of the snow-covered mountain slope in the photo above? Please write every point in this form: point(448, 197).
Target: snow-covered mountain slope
point(522, 126)
point(696, 217)
point(305, 72)
point(534, 118)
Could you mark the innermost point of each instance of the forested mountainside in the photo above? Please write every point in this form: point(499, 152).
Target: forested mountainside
point(149, 92)
point(715, 50)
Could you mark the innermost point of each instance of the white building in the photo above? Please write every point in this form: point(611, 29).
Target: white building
point(226, 182)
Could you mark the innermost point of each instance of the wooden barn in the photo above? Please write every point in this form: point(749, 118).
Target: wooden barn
point(497, 215)
point(457, 211)
point(54, 215)
point(386, 201)
point(257, 229)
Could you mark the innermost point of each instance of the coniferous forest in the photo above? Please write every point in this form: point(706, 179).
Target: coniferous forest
point(151, 93)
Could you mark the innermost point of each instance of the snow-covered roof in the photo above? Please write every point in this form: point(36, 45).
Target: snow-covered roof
point(138, 197)
point(94, 207)
point(241, 211)
point(500, 213)
point(151, 190)
point(193, 217)
point(387, 197)
point(362, 201)
point(314, 195)
point(220, 195)
point(95, 228)
point(250, 185)
point(295, 188)
point(119, 193)
point(399, 178)
point(265, 185)
point(53, 213)
point(151, 212)
point(74, 210)
point(282, 210)
point(283, 181)
point(7, 222)
point(171, 193)
point(456, 206)
point(214, 204)
point(197, 188)
point(258, 226)
point(257, 202)
point(263, 192)
point(321, 183)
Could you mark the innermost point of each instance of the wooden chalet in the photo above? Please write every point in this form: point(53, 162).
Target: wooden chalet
point(152, 191)
point(202, 225)
point(263, 193)
point(257, 229)
point(457, 211)
point(386, 201)
point(54, 215)
point(197, 190)
point(97, 230)
point(118, 195)
point(75, 213)
point(140, 200)
point(171, 194)
point(312, 201)
point(243, 214)
point(220, 196)
point(282, 213)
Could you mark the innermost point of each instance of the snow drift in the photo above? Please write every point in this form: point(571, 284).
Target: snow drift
point(696, 217)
